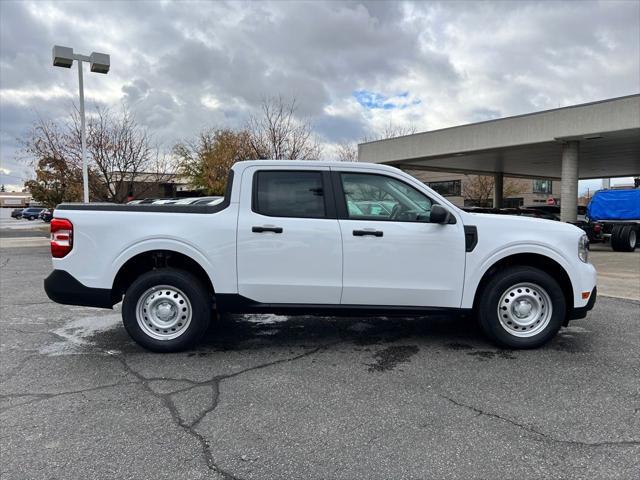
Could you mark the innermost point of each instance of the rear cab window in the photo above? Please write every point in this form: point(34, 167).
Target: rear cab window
point(290, 193)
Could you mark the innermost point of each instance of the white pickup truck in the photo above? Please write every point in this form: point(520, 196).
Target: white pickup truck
point(319, 238)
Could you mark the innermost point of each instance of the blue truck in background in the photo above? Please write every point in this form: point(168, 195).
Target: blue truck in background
point(619, 213)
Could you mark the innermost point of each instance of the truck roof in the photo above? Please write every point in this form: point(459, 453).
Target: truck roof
point(239, 166)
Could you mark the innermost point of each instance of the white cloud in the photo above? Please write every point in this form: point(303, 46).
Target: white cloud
point(181, 66)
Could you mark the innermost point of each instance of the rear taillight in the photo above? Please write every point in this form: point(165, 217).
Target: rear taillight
point(61, 237)
point(597, 228)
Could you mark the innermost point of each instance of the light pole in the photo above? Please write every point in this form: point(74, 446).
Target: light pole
point(99, 62)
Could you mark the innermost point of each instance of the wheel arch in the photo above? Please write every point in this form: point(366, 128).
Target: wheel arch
point(156, 259)
point(535, 260)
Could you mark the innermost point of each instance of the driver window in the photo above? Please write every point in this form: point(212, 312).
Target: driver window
point(378, 197)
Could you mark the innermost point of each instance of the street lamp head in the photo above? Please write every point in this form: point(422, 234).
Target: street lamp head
point(99, 62)
point(62, 56)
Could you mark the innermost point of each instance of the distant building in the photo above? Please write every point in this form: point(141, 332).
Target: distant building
point(15, 199)
point(151, 185)
point(452, 186)
point(586, 141)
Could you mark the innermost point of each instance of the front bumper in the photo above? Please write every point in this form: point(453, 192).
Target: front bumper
point(581, 312)
point(62, 287)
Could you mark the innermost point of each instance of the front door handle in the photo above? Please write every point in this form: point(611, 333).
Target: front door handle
point(373, 233)
point(266, 229)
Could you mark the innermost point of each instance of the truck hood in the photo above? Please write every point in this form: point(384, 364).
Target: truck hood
point(537, 229)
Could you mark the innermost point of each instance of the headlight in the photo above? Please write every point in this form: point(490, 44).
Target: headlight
point(583, 248)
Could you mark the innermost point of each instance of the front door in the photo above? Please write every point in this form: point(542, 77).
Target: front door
point(289, 246)
point(393, 256)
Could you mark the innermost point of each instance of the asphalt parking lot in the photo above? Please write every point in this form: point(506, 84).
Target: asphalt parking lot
point(299, 397)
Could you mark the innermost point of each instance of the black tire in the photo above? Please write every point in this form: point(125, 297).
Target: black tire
point(510, 278)
point(627, 239)
point(197, 296)
point(30, 218)
point(615, 238)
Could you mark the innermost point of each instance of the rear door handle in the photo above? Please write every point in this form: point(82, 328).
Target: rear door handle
point(373, 233)
point(266, 229)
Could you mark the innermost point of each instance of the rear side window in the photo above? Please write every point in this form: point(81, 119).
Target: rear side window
point(289, 194)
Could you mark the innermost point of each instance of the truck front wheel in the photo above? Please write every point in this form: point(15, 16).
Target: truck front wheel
point(166, 310)
point(521, 307)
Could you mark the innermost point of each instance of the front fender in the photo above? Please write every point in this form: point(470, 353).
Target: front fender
point(477, 265)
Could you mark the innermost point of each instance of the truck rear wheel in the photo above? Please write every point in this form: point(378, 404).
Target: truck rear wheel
point(166, 310)
point(521, 307)
point(627, 239)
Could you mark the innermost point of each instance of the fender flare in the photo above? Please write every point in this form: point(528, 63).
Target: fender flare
point(472, 282)
point(170, 244)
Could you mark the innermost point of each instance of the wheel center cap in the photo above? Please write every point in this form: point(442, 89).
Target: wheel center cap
point(522, 308)
point(164, 311)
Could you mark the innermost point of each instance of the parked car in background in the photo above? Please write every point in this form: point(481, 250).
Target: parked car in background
point(46, 215)
point(207, 200)
point(177, 201)
point(31, 213)
point(555, 210)
point(17, 213)
point(174, 201)
point(531, 212)
point(594, 231)
point(211, 201)
point(194, 201)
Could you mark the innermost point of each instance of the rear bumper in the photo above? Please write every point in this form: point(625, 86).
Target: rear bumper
point(581, 312)
point(62, 287)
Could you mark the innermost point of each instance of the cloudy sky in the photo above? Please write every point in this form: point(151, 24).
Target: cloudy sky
point(353, 67)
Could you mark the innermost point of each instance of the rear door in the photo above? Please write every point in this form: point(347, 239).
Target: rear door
point(392, 255)
point(289, 243)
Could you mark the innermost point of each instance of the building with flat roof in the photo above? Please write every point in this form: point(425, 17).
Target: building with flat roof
point(470, 190)
point(15, 199)
point(592, 140)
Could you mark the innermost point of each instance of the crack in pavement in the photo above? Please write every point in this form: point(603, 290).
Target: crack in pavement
point(38, 397)
point(214, 383)
point(544, 436)
point(165, 398)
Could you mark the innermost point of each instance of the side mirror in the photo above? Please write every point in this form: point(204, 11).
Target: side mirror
point(439, 214)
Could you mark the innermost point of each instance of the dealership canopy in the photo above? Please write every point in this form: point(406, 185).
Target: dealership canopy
point(592, 140)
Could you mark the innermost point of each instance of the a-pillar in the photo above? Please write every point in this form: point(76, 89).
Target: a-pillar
point(498, 189)
point(569, 190)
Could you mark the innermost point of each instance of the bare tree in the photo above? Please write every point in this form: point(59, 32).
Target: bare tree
point(277, 133)
point(120, 155)
point(390, 131)
point(207, 159)
point(478, 189)
point(347, 152)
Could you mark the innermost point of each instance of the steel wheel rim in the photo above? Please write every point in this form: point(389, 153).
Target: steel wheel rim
point(163, 312)
point(525, 309)
point(632, 238)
